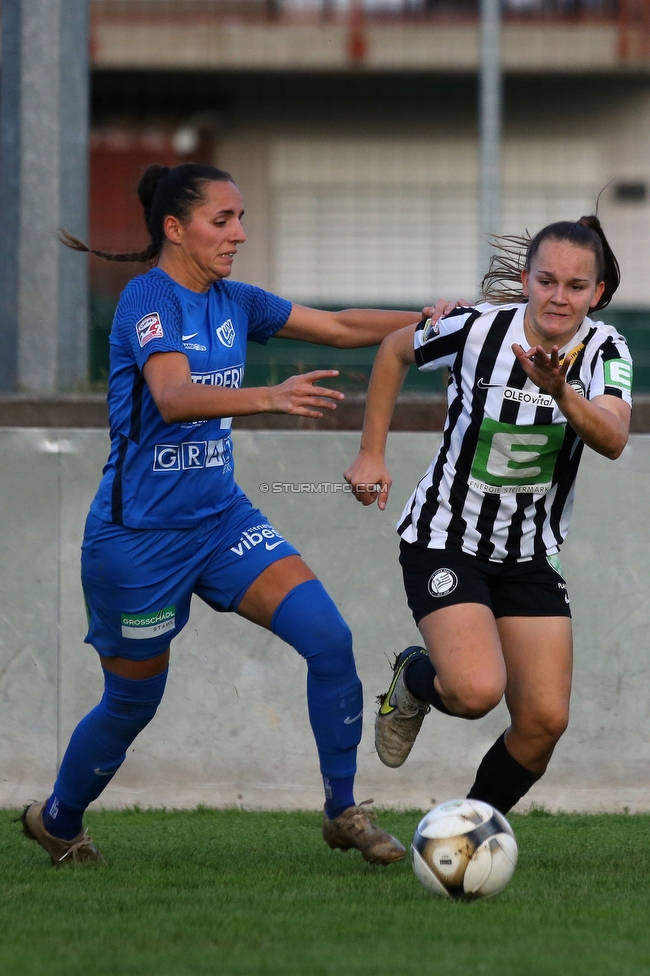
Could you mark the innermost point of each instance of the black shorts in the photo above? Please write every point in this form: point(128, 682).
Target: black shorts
point(436, 578)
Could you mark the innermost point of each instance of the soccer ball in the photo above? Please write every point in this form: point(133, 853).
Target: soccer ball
point(465, 850)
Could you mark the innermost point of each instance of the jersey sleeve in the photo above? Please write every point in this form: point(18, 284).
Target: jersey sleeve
point(148, 319)
point(437, 344)
point(612, 370)
point(267, 313)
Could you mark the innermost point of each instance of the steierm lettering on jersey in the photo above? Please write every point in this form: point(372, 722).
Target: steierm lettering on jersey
point(192, 455)
point(230, 376)
point(513, 458)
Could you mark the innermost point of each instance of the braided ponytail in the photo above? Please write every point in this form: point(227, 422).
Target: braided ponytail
point(163, 192)
point(73, 242)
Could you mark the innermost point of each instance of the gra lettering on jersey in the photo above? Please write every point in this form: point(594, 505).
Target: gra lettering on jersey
point(149, 327)
point(190, 455)
point(255, 536)
point(536, 398)
point(231, 376)
point(511, 458)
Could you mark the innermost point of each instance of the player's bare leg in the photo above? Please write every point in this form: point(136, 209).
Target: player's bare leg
point(463, 674)
point(136, 670)
point(465, 650)
point(263, 596)
point(538, 652)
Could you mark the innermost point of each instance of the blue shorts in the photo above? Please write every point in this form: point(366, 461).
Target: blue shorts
point(138, 583)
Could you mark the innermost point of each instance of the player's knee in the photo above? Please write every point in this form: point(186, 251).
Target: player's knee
point(132, 703)
point(133, 714)
point(331, 653)
point(475, 697)
point(308, 619)
point(550, 724)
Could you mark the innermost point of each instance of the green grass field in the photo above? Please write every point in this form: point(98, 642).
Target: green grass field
point(236, 894)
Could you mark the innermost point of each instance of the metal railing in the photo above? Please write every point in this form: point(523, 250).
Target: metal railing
point(631, 18)
point(372, 10)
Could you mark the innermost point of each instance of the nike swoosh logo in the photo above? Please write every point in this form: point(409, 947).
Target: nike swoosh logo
point(482, 385)
point(350, 721)
point(100, 772)
point(185, 338)
point(275, 544)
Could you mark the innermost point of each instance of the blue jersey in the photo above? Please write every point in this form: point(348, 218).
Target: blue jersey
point(161, 475)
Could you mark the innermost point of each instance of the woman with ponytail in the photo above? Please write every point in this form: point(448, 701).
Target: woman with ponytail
point(169, 520)
point(532, 380)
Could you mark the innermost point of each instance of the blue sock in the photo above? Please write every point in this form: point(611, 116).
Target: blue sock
point(307, 619)
point(98, 747)
point(339, 795)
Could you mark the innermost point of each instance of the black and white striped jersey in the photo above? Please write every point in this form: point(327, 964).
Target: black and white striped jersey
point(501, 485)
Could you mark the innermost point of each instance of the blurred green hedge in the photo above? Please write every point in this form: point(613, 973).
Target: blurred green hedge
point(280, 358)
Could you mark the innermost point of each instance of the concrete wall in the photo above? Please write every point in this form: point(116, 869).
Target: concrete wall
point(233, 726)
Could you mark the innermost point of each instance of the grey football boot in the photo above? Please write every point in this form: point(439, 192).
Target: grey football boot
point(76, 851)
point(400, 714)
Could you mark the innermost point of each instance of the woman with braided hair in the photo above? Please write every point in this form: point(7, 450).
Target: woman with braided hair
point(169, 520)
point(532, 380)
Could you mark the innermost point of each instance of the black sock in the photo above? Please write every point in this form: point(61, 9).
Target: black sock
point(418, 678)
point(500, 780)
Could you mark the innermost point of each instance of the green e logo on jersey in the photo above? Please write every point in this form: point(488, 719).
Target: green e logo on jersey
point(511, 458)
point(618, 373)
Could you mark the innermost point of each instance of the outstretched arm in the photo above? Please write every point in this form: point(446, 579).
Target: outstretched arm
point(368, 473)
point(602, 423)
point(180, 400)
point(353, 327)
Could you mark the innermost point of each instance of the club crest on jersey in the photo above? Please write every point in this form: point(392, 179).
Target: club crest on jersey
point(431, 329)
point(226, 333)
point(149, 327)
point(443, 582)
